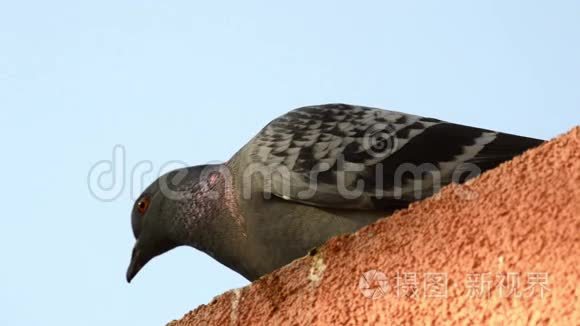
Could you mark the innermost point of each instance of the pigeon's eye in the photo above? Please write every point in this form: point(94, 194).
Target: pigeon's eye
point(143, 204)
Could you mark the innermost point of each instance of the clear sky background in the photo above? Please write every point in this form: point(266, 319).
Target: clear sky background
point(181, 80)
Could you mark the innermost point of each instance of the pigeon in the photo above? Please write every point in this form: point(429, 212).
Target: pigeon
point(309, 175)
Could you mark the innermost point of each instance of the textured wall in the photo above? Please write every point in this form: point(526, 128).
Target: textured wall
point(492, 246)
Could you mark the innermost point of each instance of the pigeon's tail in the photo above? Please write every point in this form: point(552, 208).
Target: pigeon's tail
point(503, 148)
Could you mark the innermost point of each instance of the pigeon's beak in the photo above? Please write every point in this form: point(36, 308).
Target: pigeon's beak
point(136, 264)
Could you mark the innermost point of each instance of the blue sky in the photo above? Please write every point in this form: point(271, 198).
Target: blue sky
point(184, 81)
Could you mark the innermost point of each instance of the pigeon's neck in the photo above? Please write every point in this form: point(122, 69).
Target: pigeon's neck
point(212, 221)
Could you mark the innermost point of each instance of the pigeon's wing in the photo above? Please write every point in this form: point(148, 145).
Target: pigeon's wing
point(354, 157)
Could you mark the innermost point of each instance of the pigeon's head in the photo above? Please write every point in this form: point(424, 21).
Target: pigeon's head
point(156, 213)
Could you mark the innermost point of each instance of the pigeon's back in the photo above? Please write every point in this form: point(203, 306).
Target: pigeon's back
point(354, 157)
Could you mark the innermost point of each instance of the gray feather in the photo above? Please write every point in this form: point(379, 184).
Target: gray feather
point(357, 157)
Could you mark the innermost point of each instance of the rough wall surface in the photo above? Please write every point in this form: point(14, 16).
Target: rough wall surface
point(503, 249)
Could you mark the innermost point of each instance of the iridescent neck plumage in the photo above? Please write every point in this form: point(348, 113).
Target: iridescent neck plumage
point(209, 218)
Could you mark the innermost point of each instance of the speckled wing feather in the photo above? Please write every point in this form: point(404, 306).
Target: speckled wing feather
point(354, 157)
